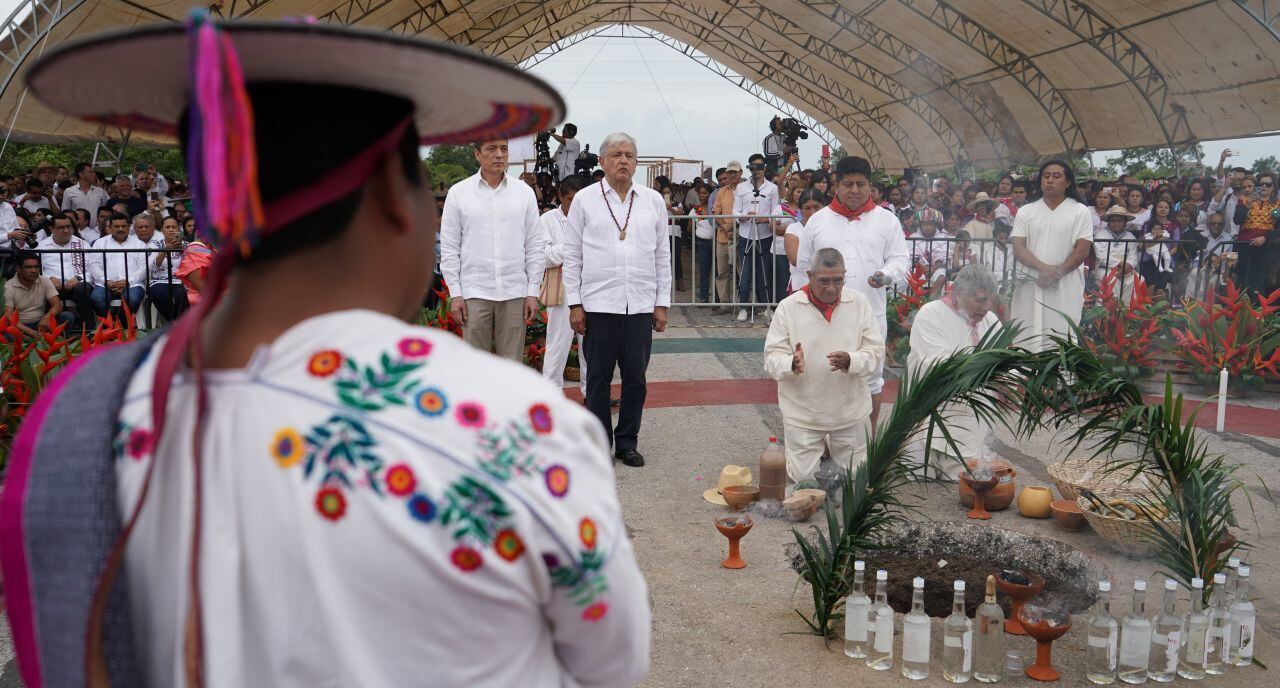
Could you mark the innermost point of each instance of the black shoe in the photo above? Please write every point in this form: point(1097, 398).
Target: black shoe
point(629, 457)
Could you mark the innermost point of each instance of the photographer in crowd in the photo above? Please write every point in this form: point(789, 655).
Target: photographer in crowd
point(566, 155)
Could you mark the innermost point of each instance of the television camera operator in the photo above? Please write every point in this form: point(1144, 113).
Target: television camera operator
point(566, 155)
point(781, 146)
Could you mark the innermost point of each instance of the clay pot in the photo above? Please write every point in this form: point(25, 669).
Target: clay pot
point(739, 496)
point(999, 498)
point(1034, 501)
point(1068, 514)
point(800, 507)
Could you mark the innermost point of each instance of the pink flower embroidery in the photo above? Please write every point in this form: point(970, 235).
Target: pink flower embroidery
point(540, 417)
point(414, 347)
point(140, 443)
point(470, 415)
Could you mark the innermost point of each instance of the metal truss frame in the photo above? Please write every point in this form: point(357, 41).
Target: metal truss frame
point(1088, 26)
point(724, 72)
point(104, 156)
point(25, 30)
point(921, 64)
point(1266, 12)
point(352, 11)
point(1010, 60)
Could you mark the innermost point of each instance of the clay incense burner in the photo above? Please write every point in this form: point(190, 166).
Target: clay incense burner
point(979, 488)
point(734, 528)
point(1002, 496)
point(1020, 586)
point(1045, 626)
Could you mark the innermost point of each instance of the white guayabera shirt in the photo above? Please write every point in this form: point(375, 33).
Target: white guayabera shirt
point(382, 506)
point(490, 242)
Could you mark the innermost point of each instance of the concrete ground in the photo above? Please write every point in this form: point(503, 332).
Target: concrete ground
point(717, 627)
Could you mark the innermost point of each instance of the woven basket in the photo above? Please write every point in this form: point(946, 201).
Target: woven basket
point(1091, 474)
point(1131, 537)
point(573, 374)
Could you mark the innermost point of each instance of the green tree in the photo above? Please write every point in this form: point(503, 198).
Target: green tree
point(1267, 164)
point(462, 156)
point(447, 174)
point(1157, 161)
point(20, 158)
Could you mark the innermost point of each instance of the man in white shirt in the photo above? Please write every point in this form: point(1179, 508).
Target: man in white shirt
point(114, 274)
point(38, 196)
point(617, 281)
point(66, 270)
point(86, 193)
point(1114, 248)
point(870, 239)
point(566, 155)
point(756, 196)
point(491, 254)
point(822, 343)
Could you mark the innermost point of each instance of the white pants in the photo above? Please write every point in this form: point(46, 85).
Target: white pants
point(804, 448)
point(559, 339)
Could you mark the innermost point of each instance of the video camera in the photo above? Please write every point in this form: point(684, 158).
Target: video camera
point(792, 131)
point(586, 162)
point(542, 155)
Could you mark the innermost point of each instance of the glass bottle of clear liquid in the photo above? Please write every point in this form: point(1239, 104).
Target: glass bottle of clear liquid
point(915, 635)
point(1195, 631)
point(1233, 567)
point(1135, 639)
point(1166, 636)
point(1243, 622)
point(856, 606)
point(1104, 637)
point(957, 640)
point(1215, 663)
point(988, 643)
point(880, 654)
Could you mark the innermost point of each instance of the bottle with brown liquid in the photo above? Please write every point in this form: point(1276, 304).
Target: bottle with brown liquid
point(773, 472)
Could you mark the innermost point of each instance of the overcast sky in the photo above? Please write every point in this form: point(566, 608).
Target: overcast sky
point(675, 107)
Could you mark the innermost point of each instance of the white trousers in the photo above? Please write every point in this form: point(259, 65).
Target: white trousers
point(804, 448)
point(559, 338)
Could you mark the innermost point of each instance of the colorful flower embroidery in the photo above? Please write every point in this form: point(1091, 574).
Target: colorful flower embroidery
point(422, 508)
point(373, 388)
point(508, 545)
point(288, 447)
point(140, 443)
point(331, 503)
point(476, 510)
point(584, 581)
point(508, 453)
point(400, 480)
point(431, 402)
point(324, 363)
point(557, 478)
point(587, 531)
point(414, 347)
point(595, 612)
point(540, 416)
point(470, 415)
point(466, 558)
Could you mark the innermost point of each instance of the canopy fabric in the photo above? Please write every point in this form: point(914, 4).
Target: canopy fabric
point(919, 83)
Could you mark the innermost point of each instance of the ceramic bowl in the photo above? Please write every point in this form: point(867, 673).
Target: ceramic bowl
point(1068, 515)
point(800, 507)
point(739, 496)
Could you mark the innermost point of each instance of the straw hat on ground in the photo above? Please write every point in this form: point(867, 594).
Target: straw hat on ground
point(729, 476)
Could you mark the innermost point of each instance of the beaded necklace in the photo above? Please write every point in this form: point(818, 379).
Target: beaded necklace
point(622, 228)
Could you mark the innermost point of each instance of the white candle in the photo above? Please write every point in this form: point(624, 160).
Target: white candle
point(1222, 400)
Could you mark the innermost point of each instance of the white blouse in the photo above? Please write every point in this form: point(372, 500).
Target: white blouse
point(382, 506)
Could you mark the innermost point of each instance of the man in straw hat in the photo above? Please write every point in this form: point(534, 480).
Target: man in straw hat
point(984, 215)
point(1115, 250)
point(303, 488)
point(823, 341)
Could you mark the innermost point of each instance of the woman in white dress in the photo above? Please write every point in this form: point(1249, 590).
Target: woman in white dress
point(559, 334)
point(1051, 239)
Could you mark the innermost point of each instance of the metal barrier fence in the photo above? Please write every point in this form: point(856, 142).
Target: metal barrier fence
point(746, 274)
point(149, 287)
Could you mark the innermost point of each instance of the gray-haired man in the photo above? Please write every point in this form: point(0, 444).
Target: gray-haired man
point(617, 282)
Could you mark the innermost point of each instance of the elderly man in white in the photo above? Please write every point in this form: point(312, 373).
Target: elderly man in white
point(491, 254)
point(871, 240)
point(823, 341)
point(617, 282)
point(943, 327)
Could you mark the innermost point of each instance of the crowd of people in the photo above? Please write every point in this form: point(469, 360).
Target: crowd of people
point(101, 243)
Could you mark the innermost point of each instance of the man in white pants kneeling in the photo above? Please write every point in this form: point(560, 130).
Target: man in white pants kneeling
point(559, 332)
point(825, 397)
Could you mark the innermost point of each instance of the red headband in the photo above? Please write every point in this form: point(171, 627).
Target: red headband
point(335, 184)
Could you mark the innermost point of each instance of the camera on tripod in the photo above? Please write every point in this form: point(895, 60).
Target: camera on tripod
point(792, 131)
point(542, 155)
point(586, 162)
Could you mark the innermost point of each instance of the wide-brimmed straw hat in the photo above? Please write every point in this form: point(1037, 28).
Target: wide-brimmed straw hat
point(729, 476)
point(1120, 211)
point(460, 96)
point(982, 197)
